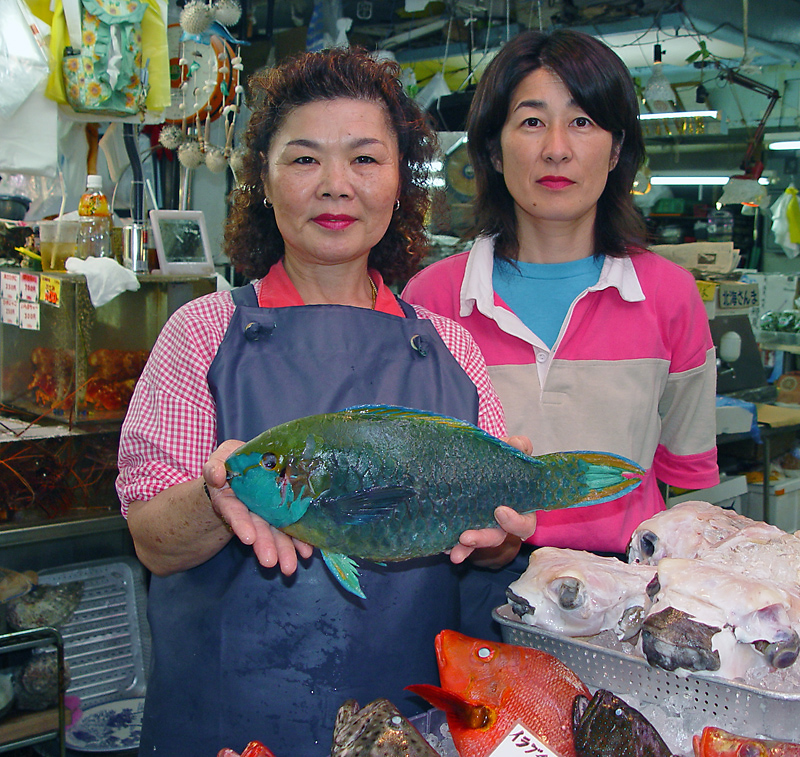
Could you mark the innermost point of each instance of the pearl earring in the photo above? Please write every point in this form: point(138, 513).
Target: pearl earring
point(267, 203)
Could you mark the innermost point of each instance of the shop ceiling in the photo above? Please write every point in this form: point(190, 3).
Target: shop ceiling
point(758, 38)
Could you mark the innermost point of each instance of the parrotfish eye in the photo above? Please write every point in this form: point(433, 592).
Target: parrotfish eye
point(484, 654)
point(269, 460)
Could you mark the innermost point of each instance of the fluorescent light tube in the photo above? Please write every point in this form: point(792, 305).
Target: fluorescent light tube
point(679, 114)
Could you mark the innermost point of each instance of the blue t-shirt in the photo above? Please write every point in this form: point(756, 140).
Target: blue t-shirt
point(541, 293)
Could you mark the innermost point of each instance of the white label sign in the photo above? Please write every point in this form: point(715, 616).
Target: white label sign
point(29, 315)
point(29, 283)
point(10, 311)
point(9, 285)
point(520, 741)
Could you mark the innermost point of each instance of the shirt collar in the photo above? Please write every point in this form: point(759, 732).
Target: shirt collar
point(477, 290)
point(276, 290)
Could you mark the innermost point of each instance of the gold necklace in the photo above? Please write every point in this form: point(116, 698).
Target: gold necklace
point(374, 291)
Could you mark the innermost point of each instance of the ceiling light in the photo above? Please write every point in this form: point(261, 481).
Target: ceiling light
point(658, 92)
point(787, 145)
point(680, 114)
point(688, 181)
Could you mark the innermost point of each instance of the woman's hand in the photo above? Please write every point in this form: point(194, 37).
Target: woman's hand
point(271, 546)
point(496, 547)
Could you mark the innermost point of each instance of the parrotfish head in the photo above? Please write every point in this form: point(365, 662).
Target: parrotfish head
point(271, 481)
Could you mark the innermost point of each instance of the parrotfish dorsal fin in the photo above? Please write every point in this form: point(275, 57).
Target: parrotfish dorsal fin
point(397, 413)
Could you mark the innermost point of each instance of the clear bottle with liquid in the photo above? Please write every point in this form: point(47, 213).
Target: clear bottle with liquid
point(94, 234)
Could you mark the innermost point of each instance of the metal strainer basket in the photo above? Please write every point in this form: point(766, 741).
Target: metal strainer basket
point(740, 709)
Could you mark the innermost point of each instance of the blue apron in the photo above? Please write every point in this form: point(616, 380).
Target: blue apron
point(241, 652)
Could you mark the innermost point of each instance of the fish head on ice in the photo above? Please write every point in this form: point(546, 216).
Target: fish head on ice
point(716, 742)
point(277, 474)
point(577, 593)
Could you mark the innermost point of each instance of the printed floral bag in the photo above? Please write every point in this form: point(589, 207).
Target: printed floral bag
point(104, 75)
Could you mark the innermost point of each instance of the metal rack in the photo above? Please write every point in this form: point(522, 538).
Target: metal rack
point(25, 729)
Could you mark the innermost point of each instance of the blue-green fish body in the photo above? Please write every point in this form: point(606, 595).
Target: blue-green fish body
point(389, 483)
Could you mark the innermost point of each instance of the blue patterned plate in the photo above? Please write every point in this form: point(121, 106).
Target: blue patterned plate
point(108, 727)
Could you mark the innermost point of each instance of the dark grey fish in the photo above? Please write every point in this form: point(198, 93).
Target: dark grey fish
point(673, 639)
point(377, 730)
point(607, 726)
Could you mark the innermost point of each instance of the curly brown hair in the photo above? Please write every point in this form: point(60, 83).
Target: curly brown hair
point(252, 239)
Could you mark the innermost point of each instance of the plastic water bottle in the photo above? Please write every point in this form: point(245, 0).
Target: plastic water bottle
point(94, 234)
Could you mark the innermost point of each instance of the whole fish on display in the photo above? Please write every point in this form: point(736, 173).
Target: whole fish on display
point(715, 742)
point(376, 730)
point(578, 593)
point(607, 726)
point(387, 483)
point(488, 689)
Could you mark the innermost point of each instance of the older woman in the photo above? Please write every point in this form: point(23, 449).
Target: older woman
point(250, 642)
point(592, 341)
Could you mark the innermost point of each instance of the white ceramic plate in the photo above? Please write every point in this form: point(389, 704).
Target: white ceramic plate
point(108, 727)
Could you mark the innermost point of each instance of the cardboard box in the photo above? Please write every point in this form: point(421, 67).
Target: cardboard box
point(728, 297)
point(704, 257)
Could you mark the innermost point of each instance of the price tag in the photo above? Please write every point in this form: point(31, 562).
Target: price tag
point(29, 315)
point(520, 741)
point(10, 311)
point(50, 290)
point(29, 287)
point(9, 285)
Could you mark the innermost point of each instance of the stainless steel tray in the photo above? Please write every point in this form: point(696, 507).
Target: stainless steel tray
point(107, 639)
point(741, 709)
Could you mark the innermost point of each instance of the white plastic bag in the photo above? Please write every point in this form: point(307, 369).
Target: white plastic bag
point(23, 56)
point(780, 224)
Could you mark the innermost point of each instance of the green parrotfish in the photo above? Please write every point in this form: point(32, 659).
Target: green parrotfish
point(384, 483)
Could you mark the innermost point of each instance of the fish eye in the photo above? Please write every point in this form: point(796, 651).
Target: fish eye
point(485, 653)
point(269, 460)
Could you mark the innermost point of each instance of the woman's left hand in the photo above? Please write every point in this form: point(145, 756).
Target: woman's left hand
point(493, 547)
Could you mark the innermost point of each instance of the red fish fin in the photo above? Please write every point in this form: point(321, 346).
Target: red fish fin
point(467, 714)
point(697, 746)
point(256, 749)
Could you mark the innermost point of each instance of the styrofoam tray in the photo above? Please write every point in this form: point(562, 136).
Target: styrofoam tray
point(106, 641)
point(741, 709)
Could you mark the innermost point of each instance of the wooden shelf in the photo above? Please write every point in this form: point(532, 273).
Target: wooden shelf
point(25, 726)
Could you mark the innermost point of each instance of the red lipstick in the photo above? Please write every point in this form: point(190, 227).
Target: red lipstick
point(334, 221)
point(555, 182)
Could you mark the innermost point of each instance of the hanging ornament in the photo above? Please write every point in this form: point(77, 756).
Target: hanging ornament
point(227, 12)
point(196, 17)
point(170, 137)
point(216, 162)
point(236, 160)
point(190, 154)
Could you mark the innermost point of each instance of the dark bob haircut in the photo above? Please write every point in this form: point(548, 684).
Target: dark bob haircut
point(602, 86)
point(252, 239)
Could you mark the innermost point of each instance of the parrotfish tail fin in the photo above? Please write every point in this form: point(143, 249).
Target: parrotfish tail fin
point(345, 571)
point(587, 478)
point(461, 713)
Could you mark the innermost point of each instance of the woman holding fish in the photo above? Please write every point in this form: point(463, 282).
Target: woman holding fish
point(592, 341)
point(248, 640)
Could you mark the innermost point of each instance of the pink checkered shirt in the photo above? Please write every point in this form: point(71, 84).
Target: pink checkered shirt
point(170, 429)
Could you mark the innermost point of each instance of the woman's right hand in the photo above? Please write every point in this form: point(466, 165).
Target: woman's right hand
point(271, 546)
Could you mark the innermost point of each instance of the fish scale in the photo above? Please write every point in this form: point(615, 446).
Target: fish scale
point(388, 484)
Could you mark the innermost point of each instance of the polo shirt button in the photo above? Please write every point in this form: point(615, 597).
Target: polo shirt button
point(541, 357)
